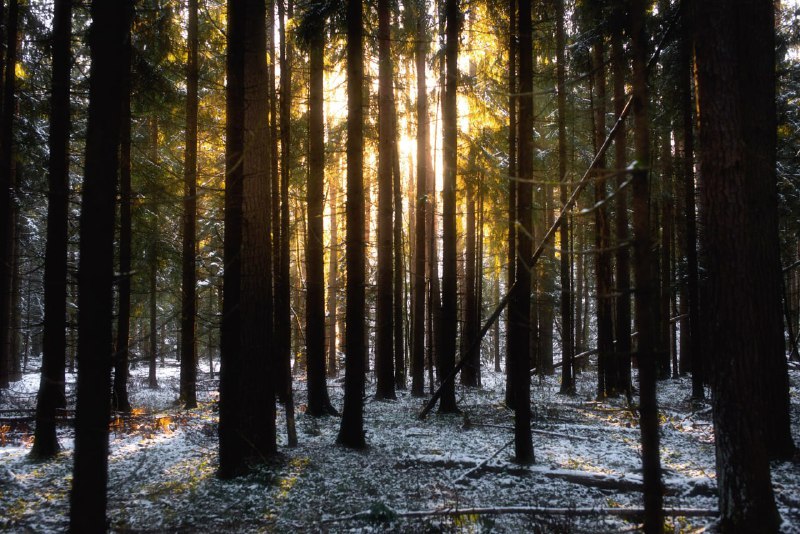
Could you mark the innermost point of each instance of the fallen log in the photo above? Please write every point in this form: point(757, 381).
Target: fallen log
point(387, 513)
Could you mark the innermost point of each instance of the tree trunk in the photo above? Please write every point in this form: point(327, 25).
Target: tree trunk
point(567, 333)
point(622, 319)
point(646, 299)
point(152, 260)
point(384, 366)
point(606, 368)
point(351, 431)
point(107, 35)
point(420, 259)
point(449, 237)
point(519, 311)
point(512, 190)
point(333, 278)
point(470, 371)
point(7, 187)
point(318, 401)
point(51, 386)
point(188, 377)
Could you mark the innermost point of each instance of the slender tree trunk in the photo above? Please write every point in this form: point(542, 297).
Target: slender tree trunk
point(51, 386)
point(153, 258)
point(622, 319)
point(399, 299)
point(351, 432)
point(120, 401)
point(333, 277)
point(667, 200)
point(567, 334)
point(107, 35)
point(7, 186)
point(449, 237)
point(188, 378)
point(690, 327)
point(512, 190)
point(469, 373)
point(318, 401)
point(418, 315)
point(646, 299)
point(384, 367)
point(520, 300)
point(606, 370)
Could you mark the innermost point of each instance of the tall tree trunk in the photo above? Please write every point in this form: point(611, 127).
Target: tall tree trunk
point(318, 400)
point(188, 377)
point(646, 298)
point(152, 259)
point(622, 319)
point(351, 432)
point(120, 401)
point(567, 333)
point(519, 310)
point(449, 163)
point(384, 367)
point(469, 373)
point(420, 259)
point(283, 324)
point(512, 190)
point(399, 299)
point(606, 370)
point(731, 230)
point(333, 277)
point(666, 202)
point(7, 186)
point(691, 329)
point(51, 386)
point(107, 35)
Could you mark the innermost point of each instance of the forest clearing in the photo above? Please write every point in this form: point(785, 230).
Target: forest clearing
point(163, 462)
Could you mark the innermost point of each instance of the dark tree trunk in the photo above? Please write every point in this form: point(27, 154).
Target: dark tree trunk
point(687, 130)
point(418, 281)
point(283, 319)
point(318, 401)
point(333, 278)
point(152, 259)
point(399, 299)
point(107, 35)
point(188, 377)
point(351, 432)
point(256, 396)
point(232, 447)
point(519, 310)
point(606, 368)
point(567, 334)
point(51, 386)
point(384, 367)
point(737, 343)
point(470, 371)
point(622, 319)
point(119, 399)
point(512, 190)
point(449, 162)
point(646, 298)
point(7, 186)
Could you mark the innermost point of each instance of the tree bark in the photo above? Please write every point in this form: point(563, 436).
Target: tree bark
point(449, 237)
point(351, 431)
point(188, 377)
point(107, 35)
point(51, 387)
point(318, 401)
point(384, 367)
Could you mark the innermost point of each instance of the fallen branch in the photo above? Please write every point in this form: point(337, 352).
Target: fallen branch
point(483, 463)
point(524, 510)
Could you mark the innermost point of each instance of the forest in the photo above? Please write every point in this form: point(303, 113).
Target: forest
point(418, 266)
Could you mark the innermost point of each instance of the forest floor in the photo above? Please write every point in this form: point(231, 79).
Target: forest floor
point(163, 462)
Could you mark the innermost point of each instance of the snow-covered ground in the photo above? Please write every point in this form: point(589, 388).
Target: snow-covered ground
point(163, 462)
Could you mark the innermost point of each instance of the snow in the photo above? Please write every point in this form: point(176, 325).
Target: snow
point(163, 461)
